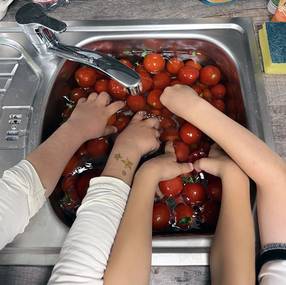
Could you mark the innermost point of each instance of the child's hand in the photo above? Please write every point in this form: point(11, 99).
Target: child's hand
point(90, 116)
point(165, 166)
point(180, 99)
point(141, 136)
point(217, 163)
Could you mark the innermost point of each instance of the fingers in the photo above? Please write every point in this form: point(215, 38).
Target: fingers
point(139, 116)
point(103, 99)
point(115, 106)
point(81, 100)
point(153, 123)
point(210, 165)
point(185, 168)
point(92, 96)
point(109, 130)
point(169, 148)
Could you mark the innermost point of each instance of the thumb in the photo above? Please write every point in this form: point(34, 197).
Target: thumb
point(109, 130)
point(184, 168)
point(209, 165)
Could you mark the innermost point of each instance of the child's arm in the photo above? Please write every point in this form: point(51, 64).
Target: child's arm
point(233, 249)
point(130, 259)
point(85, 252)
point(253, 156)
point(87, 121)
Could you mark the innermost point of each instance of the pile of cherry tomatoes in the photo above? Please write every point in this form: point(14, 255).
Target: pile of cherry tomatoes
point(185, 203)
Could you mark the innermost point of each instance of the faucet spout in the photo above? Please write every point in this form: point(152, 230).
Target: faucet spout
point(41, 30)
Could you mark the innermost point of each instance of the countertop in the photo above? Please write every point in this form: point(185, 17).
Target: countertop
point(275, 87)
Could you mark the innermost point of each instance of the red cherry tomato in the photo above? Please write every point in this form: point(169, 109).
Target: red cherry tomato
point(82, 151)
point(198, 89)
point(153, 99)
point(171, 188)
point(101, 85)
point(155, 112)
point(188, 75)
point(154, 62)
point(214, 188)
point(193, 64)
point(111, 121)
point(182, 151)
point(197, 154)
point(166, 112)
point(77, 93)
point(170, 134)
point(218, 91)
point(86, 76)
point(68, 183)
point(219, 104)
point(71, 165)
point(210, 213)
point(183, 216)
point(174, 65)
point(117, 90)
point(161, 216)
point(121, 122)
point(136, 103)
point(146, 81)
point(97, 147)
point(126, 62)
point(161, 80)
point(190, 134)
point(207, 95)
point(194, 194)
point(83, 183)
point(167, 123)
point(210, 75)
point(175, 82)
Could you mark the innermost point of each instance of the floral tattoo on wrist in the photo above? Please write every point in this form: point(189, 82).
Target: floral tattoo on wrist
point(127, 164)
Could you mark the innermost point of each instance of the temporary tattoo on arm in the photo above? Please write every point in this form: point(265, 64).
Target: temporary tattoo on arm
point(127, 164)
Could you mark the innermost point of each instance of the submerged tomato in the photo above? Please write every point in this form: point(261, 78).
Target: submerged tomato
point(161, 216)
point(86, 76)
point(190, 134)
point(126, 62)
point(83, 182)
point(154, 62)
point(169, 134)
point(153, 99)
point(172, 187)
point(188, 75)
point(174, 65)
point(214, 188)
point(146, 81)
point(210, 75)
point(210, 213)
point(161, 80)
point(182, 151)
point(219, 104)
point(77, 93)
point(117, 90)
point(121, 122)
point(71, 165)
point(97, 147)
point(101, 85)
point(183, 216)
point(193, 64)
point(136, 103)
point(194, 194)
point(218, 91)
point(167, 123)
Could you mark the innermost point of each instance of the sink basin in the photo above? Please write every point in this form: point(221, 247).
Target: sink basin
point(230, 43)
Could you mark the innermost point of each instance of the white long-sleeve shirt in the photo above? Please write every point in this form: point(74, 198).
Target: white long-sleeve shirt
point(85, 252)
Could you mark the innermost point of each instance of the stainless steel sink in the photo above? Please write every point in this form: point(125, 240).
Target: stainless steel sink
point(29, 107)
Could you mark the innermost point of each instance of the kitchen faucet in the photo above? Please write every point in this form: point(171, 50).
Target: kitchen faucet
point(41, 30)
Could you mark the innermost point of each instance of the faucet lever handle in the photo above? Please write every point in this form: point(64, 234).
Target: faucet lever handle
point(33, 14)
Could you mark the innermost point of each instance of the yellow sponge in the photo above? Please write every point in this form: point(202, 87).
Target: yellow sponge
point(272, 39)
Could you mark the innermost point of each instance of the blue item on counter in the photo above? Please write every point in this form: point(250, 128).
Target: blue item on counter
point(216, 2)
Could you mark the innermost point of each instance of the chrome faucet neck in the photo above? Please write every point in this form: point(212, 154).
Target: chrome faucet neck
point(41, 29)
